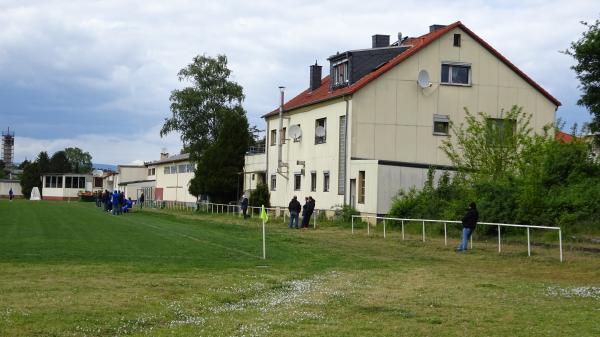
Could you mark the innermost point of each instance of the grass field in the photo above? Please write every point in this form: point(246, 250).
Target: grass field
point(68, 269)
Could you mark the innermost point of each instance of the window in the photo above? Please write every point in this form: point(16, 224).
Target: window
point(151, 171)
point(81, 182)
point(167, 170)
point(273, 137)
point(97, 182)
point(182, 168)
point(361, 187)
point(174, 169)
point(456, 74)
point(47, 184)
point(340, 73)
point(273, 182)
point(59, 182)
point(325, 181)
point(313, 181)
point(190, 167)
point(456, 40)
point(321, 131)
point(252, 176)
point(441, 125)
point(283, 136)
point(297, 181)
point(68, 182)
point(500, 131)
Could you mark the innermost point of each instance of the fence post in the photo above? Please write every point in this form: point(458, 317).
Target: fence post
point(445, 235)
point(528, 243)
point(315, 219)
point(352, 224)
point(560, 244)
point(471, 239)
point(499, 247)
point(423, 231)
point(384, 228)
point(402, 229)
point(368, 228)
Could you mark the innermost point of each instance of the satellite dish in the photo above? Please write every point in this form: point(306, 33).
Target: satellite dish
point(423, 79)
point(320, 131)
point(295, 132)
point(97, 173)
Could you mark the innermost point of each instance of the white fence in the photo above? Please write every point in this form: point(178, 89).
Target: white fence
point(446, 222)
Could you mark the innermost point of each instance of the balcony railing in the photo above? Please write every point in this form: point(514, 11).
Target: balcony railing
point(256, 150)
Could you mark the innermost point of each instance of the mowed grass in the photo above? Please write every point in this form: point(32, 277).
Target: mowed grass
point(68, 269)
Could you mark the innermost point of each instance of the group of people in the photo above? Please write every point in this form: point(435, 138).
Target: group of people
point(307, 210)
point(115, 202)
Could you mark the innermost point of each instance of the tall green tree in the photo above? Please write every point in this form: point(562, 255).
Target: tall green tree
point(30, 178)
point(59, 163)
point(213, 126)
point(218, 168)
point(198, 109)
point(43, 161)
point(586, 52)
point(80, 162)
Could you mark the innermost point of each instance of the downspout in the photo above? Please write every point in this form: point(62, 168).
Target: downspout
point(279, 131)
point(346, 186)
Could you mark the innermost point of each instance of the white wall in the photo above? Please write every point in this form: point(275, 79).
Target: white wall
point(6, 185)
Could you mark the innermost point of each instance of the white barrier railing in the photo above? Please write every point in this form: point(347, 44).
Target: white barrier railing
point(446, 222)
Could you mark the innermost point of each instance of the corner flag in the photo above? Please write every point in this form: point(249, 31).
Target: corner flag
point(263, 214)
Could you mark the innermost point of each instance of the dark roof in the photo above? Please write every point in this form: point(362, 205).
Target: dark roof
point(170, 159)
point(323, 93)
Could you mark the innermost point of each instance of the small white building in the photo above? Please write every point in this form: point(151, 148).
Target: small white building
point(66, 186)
point(7, 184)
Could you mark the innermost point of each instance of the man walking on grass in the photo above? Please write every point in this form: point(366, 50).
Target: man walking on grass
point(469, 223)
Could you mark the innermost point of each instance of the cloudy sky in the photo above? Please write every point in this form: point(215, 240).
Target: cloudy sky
point(98, 74)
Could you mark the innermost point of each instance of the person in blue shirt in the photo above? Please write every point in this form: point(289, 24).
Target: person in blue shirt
point(11, 195)
point(115, 202)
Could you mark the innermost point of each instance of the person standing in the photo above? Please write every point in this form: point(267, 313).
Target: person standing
point(115, 202)
point(141, 201)
point(294, 207)
point(11, 195)
point(244, 206)
point(306, 213)
point(469, 223)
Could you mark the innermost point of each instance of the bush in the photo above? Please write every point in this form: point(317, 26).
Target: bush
point(345, 214)
point(260, 196)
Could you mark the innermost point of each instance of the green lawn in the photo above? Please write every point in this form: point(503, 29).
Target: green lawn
point(68, 269)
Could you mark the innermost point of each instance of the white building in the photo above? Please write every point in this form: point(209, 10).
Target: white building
point(7, 184)
point(65, 186)
point(369, 129)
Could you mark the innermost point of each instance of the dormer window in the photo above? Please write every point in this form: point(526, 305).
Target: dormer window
point(340, 73)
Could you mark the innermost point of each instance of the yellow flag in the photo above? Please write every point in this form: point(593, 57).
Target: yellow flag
point(263, 214)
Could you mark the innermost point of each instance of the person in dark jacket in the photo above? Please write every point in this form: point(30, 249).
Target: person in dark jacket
point(141, 200)
point(308, 210)
point(294, 207)
point(244, 206)
point(11, 195)
point(469, 223)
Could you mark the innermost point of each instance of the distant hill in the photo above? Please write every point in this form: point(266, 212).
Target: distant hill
point(104, 166)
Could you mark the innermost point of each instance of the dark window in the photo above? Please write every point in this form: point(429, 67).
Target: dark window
point(455, 74)
point(325, 181)
point(297, 181)
point(273, 137)
point(320, 130)
point(273, 182)
point(313, 181)
point(283, 136)
point(167, 170)
point(456, 40)
point(47, 181)
point(182, 168)
point(500, 131)
point(59, 182)
point(68, 182)
point(252, 176)
point(361, 187)
point(440, 128)
point(97, 182)
point(340, 73)
point(174, 169)
point(81, 182)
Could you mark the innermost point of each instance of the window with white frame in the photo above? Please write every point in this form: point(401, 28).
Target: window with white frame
point(297, 182)
point(313, 181)
point(361, 187)
point(456, 73)
point(273, 140)
point(273, 182)
point(321, 131)
point(441, 125)
point(326, 181)
point(340, 74)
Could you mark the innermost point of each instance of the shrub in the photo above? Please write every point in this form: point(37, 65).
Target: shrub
point(260, 196)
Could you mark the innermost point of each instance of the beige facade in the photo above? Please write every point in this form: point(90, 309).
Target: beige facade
point(65, 186)
point(390, 141)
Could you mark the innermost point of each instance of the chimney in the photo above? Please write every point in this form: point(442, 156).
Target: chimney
point(380, 41)
point(433, 28)
point(164, 154)
point(315, 76)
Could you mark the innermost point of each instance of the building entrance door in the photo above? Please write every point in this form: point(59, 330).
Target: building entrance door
point(353, 193)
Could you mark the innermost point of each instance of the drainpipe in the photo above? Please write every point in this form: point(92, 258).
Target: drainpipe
point(347, 186)
point(279, 144)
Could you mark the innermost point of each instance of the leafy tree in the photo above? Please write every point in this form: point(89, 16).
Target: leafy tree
point(487, 146)
point(213, 126)
point(59, 163)
point(218, 167)
point(586, 52)
point(198, 110)
point(43, 161)
point(260, 196)
point(30, 178)
point(80, 162)
point(2, 167)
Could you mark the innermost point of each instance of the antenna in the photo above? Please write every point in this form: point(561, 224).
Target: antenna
point(423, 79)
point(320, 131)
point(295, 132)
